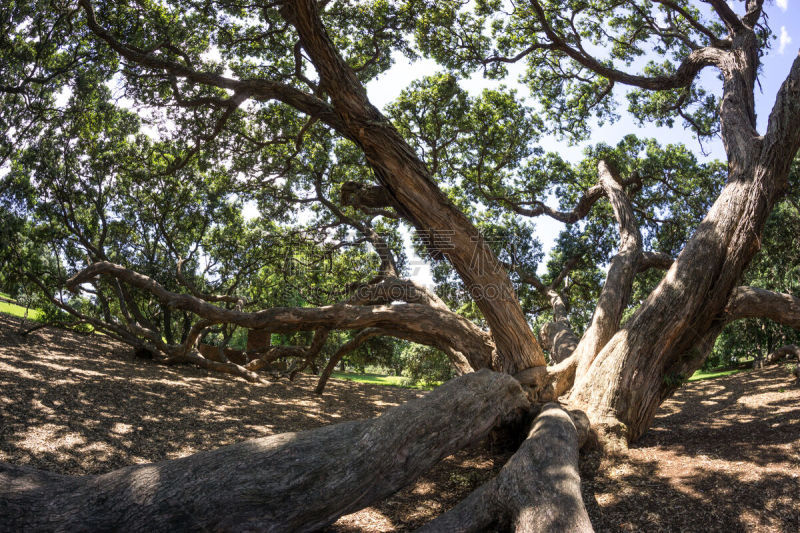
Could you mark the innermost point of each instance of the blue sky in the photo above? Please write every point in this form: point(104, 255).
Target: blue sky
point(783, 17)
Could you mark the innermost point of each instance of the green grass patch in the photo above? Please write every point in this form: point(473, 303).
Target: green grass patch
point(19, 311)
point(380, 379)
point(711, 374)
point(400, 381)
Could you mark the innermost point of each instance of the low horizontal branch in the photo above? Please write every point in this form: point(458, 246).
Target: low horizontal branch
point(784, 352)
point(419, 322)
point(288, 482)
point(752, 302)
point(658, 260)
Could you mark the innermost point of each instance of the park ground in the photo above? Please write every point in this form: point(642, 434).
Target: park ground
point(723, 454)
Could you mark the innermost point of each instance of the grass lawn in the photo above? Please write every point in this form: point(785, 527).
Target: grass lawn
point(380, 379)
point(711, 374)
point(400, 381)
point(18, 310)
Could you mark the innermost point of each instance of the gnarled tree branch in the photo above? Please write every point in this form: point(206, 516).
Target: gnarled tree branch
point(683, 76)
point(657, 260)
point(556, 336)
point(260, 484)
point(581, 209)
point(410, 186)
point(253, 88)
point(615, 293)
point(419, 322)
point(752, 302)
point(617, 288)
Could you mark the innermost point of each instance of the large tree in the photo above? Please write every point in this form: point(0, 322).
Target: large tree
point(266, 102)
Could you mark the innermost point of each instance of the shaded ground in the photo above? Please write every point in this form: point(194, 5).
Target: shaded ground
point(724, 454)
point(79, 404)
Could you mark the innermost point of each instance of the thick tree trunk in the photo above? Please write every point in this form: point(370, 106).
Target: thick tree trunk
point(288, 482)
point(417, 196)
point(616, 292)
point(670, 334)
point(569, 354)
point(626, 374)
point(537, 490)
point(168, 336)
point(258, 340)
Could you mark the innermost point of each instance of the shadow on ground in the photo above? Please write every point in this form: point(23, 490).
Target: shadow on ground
point(77, 404)
point(723, 454)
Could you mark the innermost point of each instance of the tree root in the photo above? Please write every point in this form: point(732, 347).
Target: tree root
point(538, 489)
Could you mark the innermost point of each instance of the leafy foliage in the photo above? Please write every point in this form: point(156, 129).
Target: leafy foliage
point(124, 138)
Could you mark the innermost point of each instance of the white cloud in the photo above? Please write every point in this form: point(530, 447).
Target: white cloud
point(782, 4)
point(784, 40)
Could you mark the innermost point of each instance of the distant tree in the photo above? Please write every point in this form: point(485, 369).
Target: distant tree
point(425, 364)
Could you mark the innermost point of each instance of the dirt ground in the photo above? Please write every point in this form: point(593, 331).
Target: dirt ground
point(723, 454)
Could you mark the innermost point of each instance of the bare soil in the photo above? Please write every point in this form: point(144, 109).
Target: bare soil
point(723, 454)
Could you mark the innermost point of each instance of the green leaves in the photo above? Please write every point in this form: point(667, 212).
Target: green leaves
point(697, 108)
point(578, 52)
point(480, 140)
point(139, 139)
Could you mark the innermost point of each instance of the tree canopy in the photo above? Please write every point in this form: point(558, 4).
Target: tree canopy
point(178, 114)
point(135, 135)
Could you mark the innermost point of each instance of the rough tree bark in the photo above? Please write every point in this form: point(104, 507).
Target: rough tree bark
point(304, 481)
point(287, 482)
point(683, 311)
point(784, 352)
point(537, 490)
point(427, 322)
point(556, 336)
point(670, 334)
point(569, 354)
point(416, 195)
point(752, 302)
